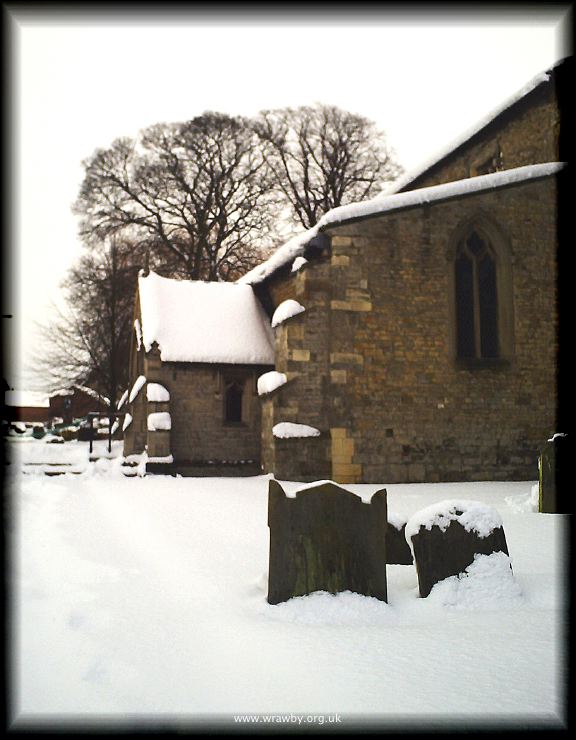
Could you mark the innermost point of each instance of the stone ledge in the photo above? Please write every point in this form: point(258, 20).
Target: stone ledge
point(299, 355)
point(338, 376)
point(346, 358)
point(351, 305)
point(340, 260)
point(205, 469)
point(341, 241)
point(338, 432)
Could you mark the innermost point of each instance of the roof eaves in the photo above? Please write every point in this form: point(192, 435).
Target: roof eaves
point(441, 198)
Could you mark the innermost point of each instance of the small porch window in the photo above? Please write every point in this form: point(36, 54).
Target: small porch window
point(233, 402)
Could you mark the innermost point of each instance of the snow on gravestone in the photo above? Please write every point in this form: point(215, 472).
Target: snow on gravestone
point(445, 537)
point(326, 538)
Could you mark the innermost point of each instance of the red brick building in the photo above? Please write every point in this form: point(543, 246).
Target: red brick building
point(26, 406)
point(75, 403)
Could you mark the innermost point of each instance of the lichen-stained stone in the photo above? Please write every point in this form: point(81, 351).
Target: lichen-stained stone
point(446, 536)
point(326, 539)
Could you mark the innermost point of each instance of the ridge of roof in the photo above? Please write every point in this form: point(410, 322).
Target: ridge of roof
point(535, 82)
point(442, 191)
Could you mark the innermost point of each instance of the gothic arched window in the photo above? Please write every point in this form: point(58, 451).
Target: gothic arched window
point(476, 290)
point(482, 305)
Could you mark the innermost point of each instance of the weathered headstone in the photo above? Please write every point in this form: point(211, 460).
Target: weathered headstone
point(446, 536)
point(326, 539)
point(553, 484)
point(398, 551)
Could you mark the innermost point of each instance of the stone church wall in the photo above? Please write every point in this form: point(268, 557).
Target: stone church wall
point(371, 364)
point(200, 435)
point(135, 434)
point(302, 353)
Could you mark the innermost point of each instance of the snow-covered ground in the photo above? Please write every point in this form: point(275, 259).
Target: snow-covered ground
point(144, 600)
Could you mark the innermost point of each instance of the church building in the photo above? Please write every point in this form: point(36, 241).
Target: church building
point(198, 350)
point(408, 338)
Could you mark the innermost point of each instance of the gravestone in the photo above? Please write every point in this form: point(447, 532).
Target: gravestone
point(398, 551)
point(448, 547)
point(553, 478)
point(326, 539)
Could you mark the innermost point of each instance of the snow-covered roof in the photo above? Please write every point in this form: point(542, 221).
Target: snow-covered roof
point(409, 177)
point(457, 188)
point(84, 389)
point(288, 252)
point(195, 321)
point(26, 399)
point(386, 203)
point(91, 392)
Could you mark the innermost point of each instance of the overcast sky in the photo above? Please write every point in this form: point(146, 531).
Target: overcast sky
point(80, 82)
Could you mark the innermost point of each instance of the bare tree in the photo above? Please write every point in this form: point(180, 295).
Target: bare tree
point(198, 193)
point(322, 157)
point(89, 341)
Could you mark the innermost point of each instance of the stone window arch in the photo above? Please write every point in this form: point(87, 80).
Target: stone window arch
point(480, 269)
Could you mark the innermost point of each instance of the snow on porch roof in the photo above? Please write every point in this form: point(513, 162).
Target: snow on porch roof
point(195, 321)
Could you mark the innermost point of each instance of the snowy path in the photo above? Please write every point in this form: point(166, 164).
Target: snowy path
point(147, 597)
